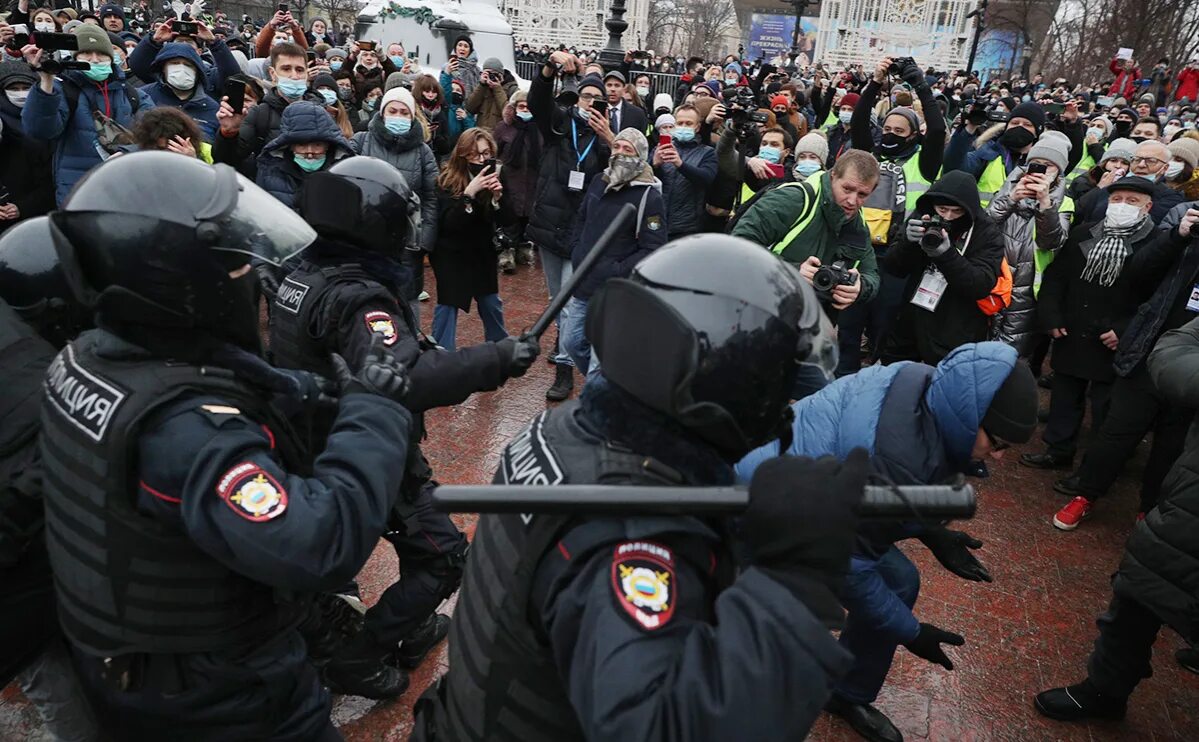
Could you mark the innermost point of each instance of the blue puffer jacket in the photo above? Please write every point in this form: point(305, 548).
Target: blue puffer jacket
point(685, 186)
point(200, 106)
point(221, 64)
point(919, 424)
point(73, 136)
point(303, 121)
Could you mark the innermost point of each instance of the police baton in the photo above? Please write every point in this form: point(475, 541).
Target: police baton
point(627, 212)
point(880, 502)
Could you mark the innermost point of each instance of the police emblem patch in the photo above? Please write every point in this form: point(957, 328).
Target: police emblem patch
point(653, 223)
point(252, 493)
point(643, 582)
point(381, 323)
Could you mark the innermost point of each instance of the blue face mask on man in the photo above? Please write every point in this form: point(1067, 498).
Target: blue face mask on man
point(397, 60)
point(770, 154)
point(683, 134)
point(292, 89)
point(309, 165)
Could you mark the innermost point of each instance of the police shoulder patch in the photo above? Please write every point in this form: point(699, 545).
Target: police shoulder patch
point(381, 323)
point(252, 493)
point(643, 580)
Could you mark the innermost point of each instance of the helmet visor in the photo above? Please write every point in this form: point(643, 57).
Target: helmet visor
point(260, 226)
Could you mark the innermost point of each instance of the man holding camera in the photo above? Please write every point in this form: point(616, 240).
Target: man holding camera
point(489, 97)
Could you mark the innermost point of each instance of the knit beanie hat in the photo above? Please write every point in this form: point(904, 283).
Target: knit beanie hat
point(1186, 150)
point(663, 100)
point(666, 119)
point(1103, 122)
point(1121, 149)
point(1054, 147)
point(1012, 415)
point(464, 37)
point(397, 80)
point(909, 115)
point(813, 143)
point(1033, 112)
point(780, 101)
point(849, 99)
point(713, 87)
point(336, 53)
point(637, 139)
point(93, 39)
point(401, 94)
point(493, 64)
point(591, 81)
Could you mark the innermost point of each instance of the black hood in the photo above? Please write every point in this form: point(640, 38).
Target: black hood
point(956, 187)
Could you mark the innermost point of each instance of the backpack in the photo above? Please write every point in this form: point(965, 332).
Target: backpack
point(1000, 297)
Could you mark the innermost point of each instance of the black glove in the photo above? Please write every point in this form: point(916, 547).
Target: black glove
point(801, 522)
point(952, 550)
point(927, 644)
point(380, 374)
point(912, 75)
point(517, 354)
point(267, 281)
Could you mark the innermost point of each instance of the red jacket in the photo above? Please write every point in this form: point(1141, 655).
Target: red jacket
point(1188, 85)
point(1125, 84)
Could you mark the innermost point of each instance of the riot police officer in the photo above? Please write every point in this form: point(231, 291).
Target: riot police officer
point(345, 295)
point(183, 519)
point(610, 628)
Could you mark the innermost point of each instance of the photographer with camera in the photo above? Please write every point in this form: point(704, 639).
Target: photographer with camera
point(686, 167)
point(951, 254)
point(64, 110)
point(216, 59)
point(489, 97)
point(991, 155)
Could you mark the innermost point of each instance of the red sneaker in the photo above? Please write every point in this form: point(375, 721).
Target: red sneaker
point(1140, 517)
point(1068, 518)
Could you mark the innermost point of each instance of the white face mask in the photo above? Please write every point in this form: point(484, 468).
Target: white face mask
point(43, 27)
point(1095, 132)
point(17, 97)
point(181, 77)
point(1122, 215)
point(1173, 169)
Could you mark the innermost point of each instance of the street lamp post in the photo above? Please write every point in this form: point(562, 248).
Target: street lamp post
point(980, 13)
point(800, 6)
point(612, 55)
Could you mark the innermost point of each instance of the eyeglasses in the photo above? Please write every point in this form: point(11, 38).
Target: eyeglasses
point(588, 96)
point(1147, 161)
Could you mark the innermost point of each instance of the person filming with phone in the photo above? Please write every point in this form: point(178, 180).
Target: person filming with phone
point(686, 167)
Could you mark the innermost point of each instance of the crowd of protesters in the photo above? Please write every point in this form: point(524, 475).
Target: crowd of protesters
point(930, 210)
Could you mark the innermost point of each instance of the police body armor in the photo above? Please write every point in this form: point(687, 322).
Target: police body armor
point(125, 582)
point(309, 305)
point(509, 687)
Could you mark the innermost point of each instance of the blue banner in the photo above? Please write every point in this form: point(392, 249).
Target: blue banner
point(770, 35)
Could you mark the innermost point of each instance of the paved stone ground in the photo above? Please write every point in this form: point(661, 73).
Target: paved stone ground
point(1030, 629)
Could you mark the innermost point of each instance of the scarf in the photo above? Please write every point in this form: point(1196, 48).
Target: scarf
point(621, 171)
point(397, 142)
point(1106, 259)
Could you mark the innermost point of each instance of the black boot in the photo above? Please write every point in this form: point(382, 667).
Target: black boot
point(1046, 461)
point(359, 670)
point(865, 719)
point(413, 649)
point(1067, 486)
point(564, 383)
point(1078, 702)
point(1188, 659)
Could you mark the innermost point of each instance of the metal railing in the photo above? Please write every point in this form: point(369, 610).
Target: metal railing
point(662, 82)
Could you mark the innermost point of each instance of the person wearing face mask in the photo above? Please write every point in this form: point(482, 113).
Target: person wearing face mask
point(430, 100)
point(1181, 173)
point(26, 177)
point(838, 132)
point(179, 85)
point(59, 109)
point(993, 154)
point(217, 61)
point(643, 84)
point(1146, 129)
point(370, 105)
point(780, 106)
point(1149, 162)
point(1126, 118)
point(1113, 164)
point(519, 150)
point(685, 167)
point(308, 142)
point(1094, 145)
point(324, 85)
point(1161, 275)
point(336, 58)
point(949, 273)
point(457, 116)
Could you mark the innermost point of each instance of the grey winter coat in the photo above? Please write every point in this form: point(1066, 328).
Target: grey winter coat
point(1023, 235)
point(411, 156)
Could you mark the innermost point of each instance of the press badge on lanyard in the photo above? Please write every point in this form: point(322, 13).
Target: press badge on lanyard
point(575, 182)
point(1193, 302)
point(932, 286)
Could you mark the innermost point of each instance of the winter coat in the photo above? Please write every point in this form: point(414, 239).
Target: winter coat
point(684, 186)
point(599, 209)
point(1160, 567)
point(467, 73)
point(45, 117)
point(261, 125)
point(970, 272)
point(456, 125)
point(919, 425)
point(520, 148)
point(1093, 207)
point(439, 134)
point(25, 175)
point(465, 262)
point(487, 104)
point(1125, 84)
point(1086, 309)
point(223, 64)
point(414, 159)
point(278, 174)
point(1188, 85)
point(973, 154)
point(1024, 233)
point(200, 106)
point(555, 206)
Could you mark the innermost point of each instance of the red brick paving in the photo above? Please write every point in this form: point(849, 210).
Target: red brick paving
point(1030, 629)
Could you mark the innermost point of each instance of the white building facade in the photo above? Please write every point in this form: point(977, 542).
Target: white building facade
point(578, 23)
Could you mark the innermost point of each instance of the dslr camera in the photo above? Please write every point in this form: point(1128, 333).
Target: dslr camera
point(898, 64)
point(933, 229)
point(829, 277)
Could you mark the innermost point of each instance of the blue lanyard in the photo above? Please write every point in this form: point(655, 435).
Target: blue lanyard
point(574, 131)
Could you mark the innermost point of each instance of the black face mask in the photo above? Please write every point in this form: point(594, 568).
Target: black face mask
point(456, 97)
point(1017, 138)
point(892, 144)
point(1138, 140)
point(475, 169)
point(1123, 127)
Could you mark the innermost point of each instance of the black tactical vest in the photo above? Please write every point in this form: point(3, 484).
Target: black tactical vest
point(127, 583)
point(503, 682)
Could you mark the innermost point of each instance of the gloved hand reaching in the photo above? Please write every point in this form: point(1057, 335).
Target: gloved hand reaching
point(952, 550)
point(380, 374)
point(517, 354)
point(267, 281)
point(801, 522)
point(927, 644)
point(913, 75)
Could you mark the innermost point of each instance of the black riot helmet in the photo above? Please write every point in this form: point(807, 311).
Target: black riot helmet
point(711, 330)
point(159, 244)
point(365, 202)
point(33, 284)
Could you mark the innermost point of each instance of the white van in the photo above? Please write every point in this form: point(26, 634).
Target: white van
point(428, 29)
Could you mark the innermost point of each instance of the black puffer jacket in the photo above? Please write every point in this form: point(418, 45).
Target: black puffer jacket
point(556, 206)
point(1160, 569)
point(25, 173)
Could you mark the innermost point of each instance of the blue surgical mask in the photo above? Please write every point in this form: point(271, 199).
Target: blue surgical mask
point(335, 65)
point(370, 103)
point(845, 117)
point(1152, 178)
point(770, 154)
point(806, 167)
point(329, 96)
point(309, 166)
point(524, 115)
point(683, 134)
point(292, 89)
point(397, 60)
point(397, 125)
point(99, 71)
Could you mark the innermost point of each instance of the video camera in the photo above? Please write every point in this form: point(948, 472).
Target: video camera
point(53, 42)
point(829, 277)
point(743, 113)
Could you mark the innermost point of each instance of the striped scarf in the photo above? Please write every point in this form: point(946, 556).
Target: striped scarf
point(1106, 259)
